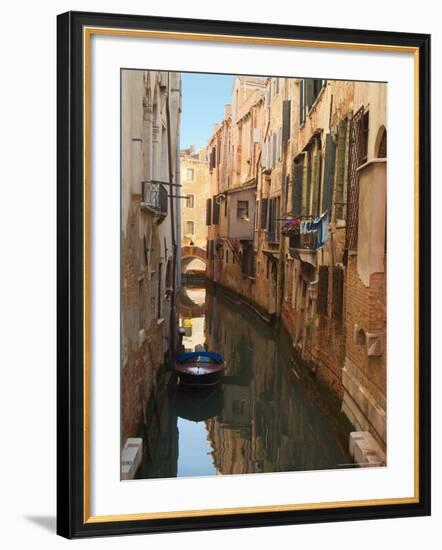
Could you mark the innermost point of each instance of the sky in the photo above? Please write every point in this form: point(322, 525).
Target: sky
point(204, 97)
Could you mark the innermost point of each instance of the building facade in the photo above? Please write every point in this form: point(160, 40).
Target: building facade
point(195, 187)
point(150, 235)
point(297, 226)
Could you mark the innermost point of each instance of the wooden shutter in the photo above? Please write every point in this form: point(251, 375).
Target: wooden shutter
point(329, 173)
point(338, 293)
point(215, 211)
point(340, 171)
point(286, 109)
point(264, 209)
point(309, 96)
point(316, 182)
point(301, 101)
point(321, 306)
point(209, 212)
point(297, 189)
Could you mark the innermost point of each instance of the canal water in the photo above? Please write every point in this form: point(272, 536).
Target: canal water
point(269, 414)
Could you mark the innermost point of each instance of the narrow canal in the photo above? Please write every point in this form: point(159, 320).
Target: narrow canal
point(269, 414)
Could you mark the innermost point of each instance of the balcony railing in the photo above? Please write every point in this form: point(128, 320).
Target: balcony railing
point(273, 236)
point(305, 241)
point(155, 196)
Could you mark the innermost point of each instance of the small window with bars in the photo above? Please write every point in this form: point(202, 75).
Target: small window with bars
point(242, 210)
point(189, 228)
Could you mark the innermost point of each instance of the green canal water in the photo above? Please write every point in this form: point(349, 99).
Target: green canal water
point(269, 414)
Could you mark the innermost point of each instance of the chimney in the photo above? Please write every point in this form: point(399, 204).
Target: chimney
point(227, 110)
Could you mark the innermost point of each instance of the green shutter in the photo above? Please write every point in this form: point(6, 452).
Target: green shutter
point(215, 211)
point(301, 102)
point(264, 208)
point(286, 109)
point(316, 182)
point(309, 94)
point(329, 173)
point(306, 177)
point(209, 212)
point(297, 189)
point(340, 171)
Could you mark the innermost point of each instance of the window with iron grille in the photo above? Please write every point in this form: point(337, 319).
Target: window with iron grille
point(190, 201)
point(357, 153)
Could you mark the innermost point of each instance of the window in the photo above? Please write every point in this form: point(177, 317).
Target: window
point(190, 174)
point(298, 177)
point(190, 201)
point(273, 233)
point(286, 109)
point(242, 210)
point(264, 207)
point(358, 133)
point(301, 102)
point(316, 181)
point(341, 191)
point(189, 228)
point(309, 90)
point(365, 122)
point(209, 212)
point(215, 210)
point(338, 294)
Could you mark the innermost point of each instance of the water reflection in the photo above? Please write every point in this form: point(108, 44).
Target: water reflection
point(268, 415)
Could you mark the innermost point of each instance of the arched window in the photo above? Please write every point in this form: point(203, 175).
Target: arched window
point(381, 143)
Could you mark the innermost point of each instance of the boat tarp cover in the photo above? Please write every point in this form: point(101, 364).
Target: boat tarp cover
point(186, 356)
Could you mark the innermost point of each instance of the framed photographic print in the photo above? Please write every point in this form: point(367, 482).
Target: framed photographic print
point(243, 274)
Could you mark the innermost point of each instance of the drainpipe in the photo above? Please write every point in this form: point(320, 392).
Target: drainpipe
point(172, 319)
point(282, 242)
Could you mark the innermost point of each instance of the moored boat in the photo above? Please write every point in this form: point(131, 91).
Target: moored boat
point(199, 368)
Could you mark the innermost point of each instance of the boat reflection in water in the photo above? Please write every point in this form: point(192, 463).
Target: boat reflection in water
point(199, 403)
point(267, 415)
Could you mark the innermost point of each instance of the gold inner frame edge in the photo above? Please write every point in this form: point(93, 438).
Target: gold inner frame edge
point(87, 33)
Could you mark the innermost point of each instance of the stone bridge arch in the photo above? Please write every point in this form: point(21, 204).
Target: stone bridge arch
point(191, 252)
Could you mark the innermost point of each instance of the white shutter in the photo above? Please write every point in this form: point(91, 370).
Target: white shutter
point(256, 135)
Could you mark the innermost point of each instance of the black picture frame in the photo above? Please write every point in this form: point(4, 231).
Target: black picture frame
point(71, 518)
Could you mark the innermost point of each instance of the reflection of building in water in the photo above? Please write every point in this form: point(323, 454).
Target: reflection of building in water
point(268, 421)
point(161, 437)
point(192, 316)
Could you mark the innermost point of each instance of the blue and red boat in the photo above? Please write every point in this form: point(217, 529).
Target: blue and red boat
point(199, 368)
